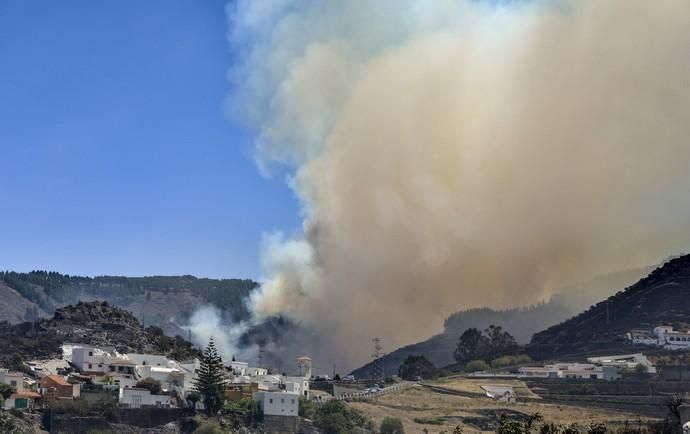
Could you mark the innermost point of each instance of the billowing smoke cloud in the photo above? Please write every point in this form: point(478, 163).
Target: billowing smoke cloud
point(452, 154)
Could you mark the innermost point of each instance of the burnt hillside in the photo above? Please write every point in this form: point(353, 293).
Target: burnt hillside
point(663, 297)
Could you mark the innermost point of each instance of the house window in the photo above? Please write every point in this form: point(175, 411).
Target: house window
point(293, 401)
point(90, 353)
point(90, 366)
point(282, 401)
point(270, 401)
point(13, 383)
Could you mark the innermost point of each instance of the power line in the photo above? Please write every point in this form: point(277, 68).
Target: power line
point(379, 371)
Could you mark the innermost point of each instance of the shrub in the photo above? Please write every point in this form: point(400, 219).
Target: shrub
point(392, 425)
point(476, 365)
point(502, 361)
point(306, 408)
point(209, 427)
point(334, 417)
point(429, 420)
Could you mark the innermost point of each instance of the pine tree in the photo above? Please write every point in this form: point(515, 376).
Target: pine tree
point(210, 381)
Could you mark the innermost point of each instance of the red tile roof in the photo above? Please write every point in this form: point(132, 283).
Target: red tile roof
point(57, 379)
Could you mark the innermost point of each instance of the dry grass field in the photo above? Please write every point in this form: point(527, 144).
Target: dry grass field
point(436, 412)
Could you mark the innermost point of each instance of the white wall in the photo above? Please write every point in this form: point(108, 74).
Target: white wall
point(151, 360)
point(278, 403)
point(137, 398)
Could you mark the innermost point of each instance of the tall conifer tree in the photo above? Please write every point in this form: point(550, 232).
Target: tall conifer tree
point(210, 380)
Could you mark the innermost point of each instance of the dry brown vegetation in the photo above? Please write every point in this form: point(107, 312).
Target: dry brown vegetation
point(474, 414)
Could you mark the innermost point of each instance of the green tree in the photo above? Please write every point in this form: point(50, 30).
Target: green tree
point(476, 365)
point(334, 417)
point(210, 381)
point(193, 398)
point(416, 366)
point(472, 345)
point(392, 425)
point(500, 342)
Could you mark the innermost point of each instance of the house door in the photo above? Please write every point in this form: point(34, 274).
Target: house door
point(136, 401)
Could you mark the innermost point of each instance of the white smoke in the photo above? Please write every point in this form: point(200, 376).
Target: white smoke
point(452, 154)
point(207, 322)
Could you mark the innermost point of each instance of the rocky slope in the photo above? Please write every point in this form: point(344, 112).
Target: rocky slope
point(663, 297)
point(93, 323)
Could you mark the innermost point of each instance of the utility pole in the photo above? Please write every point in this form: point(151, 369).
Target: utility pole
point(334, 370)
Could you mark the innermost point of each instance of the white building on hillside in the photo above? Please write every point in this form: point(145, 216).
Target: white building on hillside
point(91, 360)
point(278, 403)
point(298, 385)
point(571, 371)
point(151, 360)
point(13, 379)
point(624, 361)
point(663, 336)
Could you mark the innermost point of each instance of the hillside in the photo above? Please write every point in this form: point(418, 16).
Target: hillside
point(15, 308)
point(163, 301)
point(522, 323)
point(94, 323)
point(663, 297)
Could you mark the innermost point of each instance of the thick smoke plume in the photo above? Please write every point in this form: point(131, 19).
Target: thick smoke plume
point(453, 154)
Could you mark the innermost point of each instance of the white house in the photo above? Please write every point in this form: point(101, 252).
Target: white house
point(168, 377)
point(90, 360)
point(188, 369)
point(664, 336)
point(12, 379)
point(548, 371)
point(238, 368)
point(138, 398)
point(571, 371)
point(278, 403)
point(298, 385)
point(624, 361)
point(21, 400)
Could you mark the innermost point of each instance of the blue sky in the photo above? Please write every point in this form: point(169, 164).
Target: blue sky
point(116, 155)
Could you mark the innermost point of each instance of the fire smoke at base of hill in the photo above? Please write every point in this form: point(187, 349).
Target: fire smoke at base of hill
point(453, 154)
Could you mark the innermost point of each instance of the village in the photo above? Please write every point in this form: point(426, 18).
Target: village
point(133, 382)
